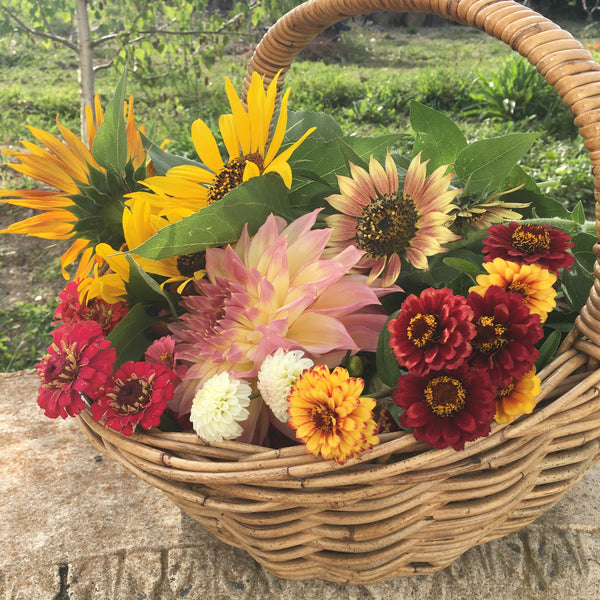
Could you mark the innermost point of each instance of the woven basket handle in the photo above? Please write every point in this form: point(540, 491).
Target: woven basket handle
point(565, 64)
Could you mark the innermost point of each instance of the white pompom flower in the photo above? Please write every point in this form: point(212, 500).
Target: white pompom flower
point(277, 374)
point(219, 407)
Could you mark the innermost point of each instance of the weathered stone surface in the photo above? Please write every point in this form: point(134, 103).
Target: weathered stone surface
point(77, 527)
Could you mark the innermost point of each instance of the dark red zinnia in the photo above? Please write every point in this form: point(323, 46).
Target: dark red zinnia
point(506, 334)
point(70, 310)
point(432, 331)
point(447, 408)
point(526, 244)
point(136, 394)
point(78, 361)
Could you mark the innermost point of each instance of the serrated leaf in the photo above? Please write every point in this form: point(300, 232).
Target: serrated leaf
point(388, 369)
point(129, 338)
point(485, 164)
point(299, 122)
point(438, 137)
point(221, 222)
point(377, 147)
point(110, 143)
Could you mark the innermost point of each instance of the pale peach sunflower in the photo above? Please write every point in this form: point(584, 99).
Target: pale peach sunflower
point(389, 224)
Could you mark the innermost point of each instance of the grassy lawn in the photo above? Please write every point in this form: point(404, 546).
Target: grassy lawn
point(365, 81)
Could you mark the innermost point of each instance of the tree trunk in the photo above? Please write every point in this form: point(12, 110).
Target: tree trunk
point(86, 65)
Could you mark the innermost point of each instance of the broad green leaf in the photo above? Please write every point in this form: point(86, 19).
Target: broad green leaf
point(438, 137)
point(387, 366)
point(129, 338)
point(163, 161)
point(584, 250)
point(485, 164)
point(576, 284)
point(110, 143)
point(221, 222)
point(377, 147)
point(299, 122)
point(142, 288)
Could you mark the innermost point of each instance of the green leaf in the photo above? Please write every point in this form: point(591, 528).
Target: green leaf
point(110, 144)
point(438, 137)
point(129, 338)
point(221, 222)
point(584, 250)
point(548, 349)
point(485, 164)
point(299, 122)
point(142, 288)
point(387, 366)
point(163, 161)
point(576, 284)
point(377, 147)
point(462, 265)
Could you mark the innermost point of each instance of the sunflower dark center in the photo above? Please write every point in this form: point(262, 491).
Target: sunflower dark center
point(323, 417)
point(423, 330)
point(387, 225)
point(131, 396)
point(189, 264)
point(530, 238)
point(232, 174)
point(491, 336)
point(445, 396)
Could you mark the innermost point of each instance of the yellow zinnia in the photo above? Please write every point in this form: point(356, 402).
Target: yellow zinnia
point(532, 282)
point(517, 398)
point(329, 415)
point(65, 166)
point(252, 150)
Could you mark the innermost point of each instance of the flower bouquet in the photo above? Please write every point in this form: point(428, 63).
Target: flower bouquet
point(312, 341)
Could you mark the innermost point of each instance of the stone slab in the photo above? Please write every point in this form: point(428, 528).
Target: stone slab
point(76, 526)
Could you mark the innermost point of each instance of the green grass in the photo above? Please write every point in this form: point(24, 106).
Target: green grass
point(366, 83)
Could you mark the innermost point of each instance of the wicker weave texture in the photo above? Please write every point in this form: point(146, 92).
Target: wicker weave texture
point(402, 508)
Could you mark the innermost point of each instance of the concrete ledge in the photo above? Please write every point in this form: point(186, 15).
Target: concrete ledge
point(76, 526)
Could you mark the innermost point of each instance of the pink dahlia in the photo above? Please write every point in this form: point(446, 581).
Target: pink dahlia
point(70, 310)
point(526, 244)
point(506, 335)
point(137, 394)
point(274, 291)
point(447, 408)
point(389, 223)
point(78, 361)
point(432, 331)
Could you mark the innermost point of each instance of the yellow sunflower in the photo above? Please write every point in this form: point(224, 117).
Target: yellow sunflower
point(140, 224)
point(252, 151)
point(65, 166)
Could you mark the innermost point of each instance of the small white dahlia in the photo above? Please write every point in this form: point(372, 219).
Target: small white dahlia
point(219, 407)
point(277, 374)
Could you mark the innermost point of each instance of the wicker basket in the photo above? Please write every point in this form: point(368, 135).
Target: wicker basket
point(403, 508)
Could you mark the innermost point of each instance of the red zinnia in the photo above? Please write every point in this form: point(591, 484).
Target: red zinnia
point(526, 244)
point(78, 362)
point(506, 334)
point(447, 408)
point(136, 394)
point(432, 332)
point(70, 310)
